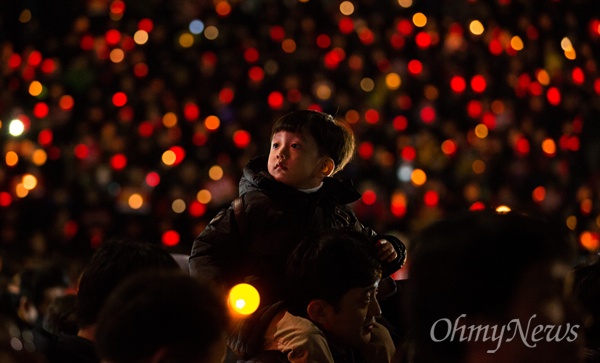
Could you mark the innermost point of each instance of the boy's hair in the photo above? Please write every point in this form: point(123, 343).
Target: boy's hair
point(153, 310)
point(110, 264)
point(326, 265)
point(334, 137)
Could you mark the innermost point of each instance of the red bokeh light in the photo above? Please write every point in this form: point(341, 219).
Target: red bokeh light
point(275, 100)
point(241, 139)
point(152, 179)
point(226, 95)
point(365, 150)
point(408, 153)
point(119, 99)
point(170, 238)
point(478, 83)
point(191, 111)
point(400, 123)
point(251, 55)
point(346, 25)
point(118, 162)
point(112, 37)
point(197, 209)
point(40, 110)
point(458, 84)
point(369, 197)
point(45, 137)
point(5, 199)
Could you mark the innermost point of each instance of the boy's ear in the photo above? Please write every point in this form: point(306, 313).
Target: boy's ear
point(327, 166)
point(317, 311)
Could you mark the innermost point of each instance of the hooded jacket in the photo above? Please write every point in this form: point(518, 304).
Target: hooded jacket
point(275, 218)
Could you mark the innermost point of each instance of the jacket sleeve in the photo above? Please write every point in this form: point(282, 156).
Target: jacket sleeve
point(388, 267)
point(216, 248)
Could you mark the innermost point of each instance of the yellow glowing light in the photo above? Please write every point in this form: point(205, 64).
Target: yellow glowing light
point(393, 81)
point(478, 166)
point(502, 209)
point(169, 157)
point(211, 32)
point(186, 40)
point(140, 37)
point(549, 146)
point(169, 119)
point(481, 131)
point(25, 16)
point(212, 122)
point(135, 201)
point(589, 241)
point(419, 19)
point(543, 77)
point(215, 172)
point(288, 46)
point(570, 54)
point(35, 88)
point(16, 127)
point(11, 158)
point(204, 196)
point(418, 177)
point(476, 27)
point(517, 43)
point(323, 91)
point(405, 3)
point(117, 55)
point(367, 84)
point(346, 8)
point(39, 157)
point(178, 206)
point(571, 222)
point(29, 181)
point(566, 44)
point(243, 299)
point(21, 191)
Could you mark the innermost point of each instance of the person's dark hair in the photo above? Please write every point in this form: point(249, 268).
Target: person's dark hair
point(61, 317)
point(471, 264)
point(586, 290)
point(110, 264)
point(326, 265)
point(36, 281)
point(334, 137)
point(150, 311)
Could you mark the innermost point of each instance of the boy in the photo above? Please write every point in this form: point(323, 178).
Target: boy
point(283, 197)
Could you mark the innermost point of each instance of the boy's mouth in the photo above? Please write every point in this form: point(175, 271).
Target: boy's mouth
point(280, 166)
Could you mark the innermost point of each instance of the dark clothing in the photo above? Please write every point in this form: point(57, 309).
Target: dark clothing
point(276, 217)
point(69, 349)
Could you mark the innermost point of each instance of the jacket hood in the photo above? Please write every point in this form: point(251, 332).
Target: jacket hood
point(256, 177)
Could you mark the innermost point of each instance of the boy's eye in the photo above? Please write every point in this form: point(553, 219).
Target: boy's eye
point(296, 146)
point(274, 145)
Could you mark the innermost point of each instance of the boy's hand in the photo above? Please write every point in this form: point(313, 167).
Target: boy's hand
point(385, 251)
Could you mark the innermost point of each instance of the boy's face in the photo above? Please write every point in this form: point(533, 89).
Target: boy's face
point(294, 160)
point(351, 324)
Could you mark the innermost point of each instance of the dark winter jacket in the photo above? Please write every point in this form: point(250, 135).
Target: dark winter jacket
point(254, 247)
